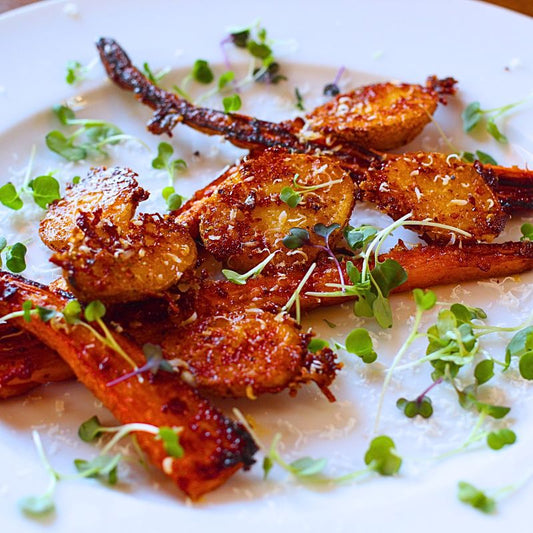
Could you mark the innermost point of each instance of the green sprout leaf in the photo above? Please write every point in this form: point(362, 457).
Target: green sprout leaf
point(240, 279)
point(94, 311)
point(496, 440)
point(37, 506)
point(259, 50)
point(299, 99)
point(45, 190)
point(359, 343)
point(325, 231)
point(100, 466)
point(290, 196)
point(526, 229)
point(231, 103)
point(58, 143)
point(381, 456)
point(358, 238)
point(15, 258)
point(64, 114)
point(493, 130)
point(72, 311)
point(164, 153)
point(521, 346)
point(267, 466)
point(296, 238)
point(201, 72)
point(173, 199)
point(225, 78)
point(485, 158)
point(316, 344)
point(424, 300)
point(90, 429)
point(307, 466)
point(10, 197)
point(27, 306)
point(422, 407)
point(471, 116)
point(171, 442)
point(484, 371)
point(240, 38)
point(154, 77)
point(476, 498)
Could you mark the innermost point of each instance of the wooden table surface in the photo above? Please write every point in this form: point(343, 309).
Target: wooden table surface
point(522, 6)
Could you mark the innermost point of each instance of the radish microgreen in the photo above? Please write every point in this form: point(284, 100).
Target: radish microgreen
point(97, 133)
point(240, 279)
point(164, 161)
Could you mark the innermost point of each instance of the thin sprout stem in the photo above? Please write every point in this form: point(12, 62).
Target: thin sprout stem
point(296, 293)
point(412, 336)
point(441, 131)
point(123, 431)
point(29, 167)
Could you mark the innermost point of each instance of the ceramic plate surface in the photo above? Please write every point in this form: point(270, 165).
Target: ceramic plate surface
point(487, 49)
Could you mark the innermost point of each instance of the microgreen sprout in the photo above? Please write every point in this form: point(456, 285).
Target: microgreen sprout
point(316, 344)
point(292, 196)
point(240, 279)
point(154, 77)
point(476, 498)
point(332, 89)
point(231, 103)
point(37, 506)
point(154, 363)
point(486, 501)
point(91, 429)
point(526, 230)
point(295, 297)
point(473, 115)
point(381, 458)
point(10, 197)
point(77, 72)
point(164, 161)
point(421, 405)
point(424, 302)
point(467, 157)
point(14, 256)
point(359, 342)
point(98, 133)
point(372, 286)
point(299, 99)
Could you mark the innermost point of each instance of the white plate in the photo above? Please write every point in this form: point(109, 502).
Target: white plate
point(488, 49)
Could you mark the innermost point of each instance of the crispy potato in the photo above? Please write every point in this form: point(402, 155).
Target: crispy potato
point(129, 263)
point(436, 187)
point(247, 353)
point(245, 220)
point(114, 192)
point(214, 446)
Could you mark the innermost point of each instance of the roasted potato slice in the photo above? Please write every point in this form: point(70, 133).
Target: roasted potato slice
point(129, 263)
point(380, 116)
point(245, 220)
point(114, 192)
point(248, 353)
point(215, 447)
point(436, 187)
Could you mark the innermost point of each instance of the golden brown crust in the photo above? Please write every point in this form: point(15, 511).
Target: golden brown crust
point(115, 192)
point(215, 447)
point(120, 264)
point(382, 116)
point(248, 353)
point(442, 189)
point(244, 219)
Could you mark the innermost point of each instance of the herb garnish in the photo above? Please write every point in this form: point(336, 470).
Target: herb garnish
point(14, 256)
point(154, 77)
point(98, 133)
point(163, 161)
point(240, 279)
point(299, 99)
point(474, 115)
